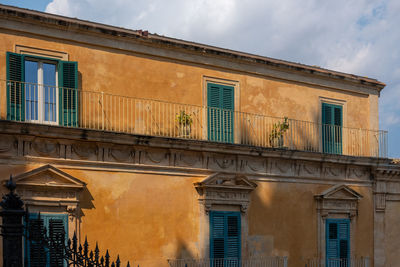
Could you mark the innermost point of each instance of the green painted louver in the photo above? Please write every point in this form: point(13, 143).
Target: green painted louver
point(68, 93)
point(220, 102)
point(225, 236)
point(54, 226)
point(332, 122)
point(338, 242)
point(15, 87)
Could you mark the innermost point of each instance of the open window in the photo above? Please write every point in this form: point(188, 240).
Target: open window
point(42, 90)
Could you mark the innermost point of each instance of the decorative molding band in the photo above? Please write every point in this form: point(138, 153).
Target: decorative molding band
point(78, 148)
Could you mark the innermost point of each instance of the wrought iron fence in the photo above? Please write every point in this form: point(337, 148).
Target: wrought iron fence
point(230, 262)
point(49, 248)
point(109, 112)
point(336, 262)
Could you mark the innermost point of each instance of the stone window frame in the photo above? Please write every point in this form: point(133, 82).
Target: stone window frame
point(40, 194)
point(223, 192)
point(337, 202)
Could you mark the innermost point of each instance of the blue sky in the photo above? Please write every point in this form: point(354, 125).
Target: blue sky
point(353, 36)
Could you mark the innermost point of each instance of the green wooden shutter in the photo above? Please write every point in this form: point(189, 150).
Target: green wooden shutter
point(220, 102)
point(225, 238)
point(15, 87)
point(68, 93)
point(214, 113)
point(337, 242)
point(233, 236)
point(228, 107)
point(217, 232)
point(55, 226)
point(35, 253)
point(58, 232)
point(332, 122)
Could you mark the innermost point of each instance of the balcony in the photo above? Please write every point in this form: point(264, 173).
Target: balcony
point(338, 262)
point(228, 262)
point(107, 112)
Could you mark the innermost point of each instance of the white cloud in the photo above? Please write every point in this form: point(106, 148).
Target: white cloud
point(355, 36)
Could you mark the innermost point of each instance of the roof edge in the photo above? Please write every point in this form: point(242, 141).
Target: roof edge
point(63, 21)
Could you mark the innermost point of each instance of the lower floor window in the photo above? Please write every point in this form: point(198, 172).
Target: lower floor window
point(46, 234)
point(225, 238)
point(337, 242)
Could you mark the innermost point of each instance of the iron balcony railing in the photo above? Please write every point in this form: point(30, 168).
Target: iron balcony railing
point(231, 262)
point(337, 262)
point(108, 112)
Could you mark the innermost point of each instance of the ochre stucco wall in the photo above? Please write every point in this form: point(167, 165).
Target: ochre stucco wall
point(283, 222)
point(149, 218)
point(124, 73)
point(392, 233)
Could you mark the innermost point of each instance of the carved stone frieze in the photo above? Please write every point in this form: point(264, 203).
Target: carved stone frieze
point(333, 171)
point(43, 147)
point(155, 157)
point(282, 167)
point(85, 151)
point(207, 157)
point(8, 145)
point(309, 170)
point(225, 189)
point(222, 162)
point(339, 199)
point(253, 165)
point(188, 159)
point(121, 154)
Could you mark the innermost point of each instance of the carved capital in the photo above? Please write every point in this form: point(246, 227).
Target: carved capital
point(380, 202)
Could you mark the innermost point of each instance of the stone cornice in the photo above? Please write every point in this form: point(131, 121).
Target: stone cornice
point(24, 143)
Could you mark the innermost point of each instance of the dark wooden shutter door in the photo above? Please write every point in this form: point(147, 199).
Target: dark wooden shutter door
point(217, 235)
point(15, 87)
point(338, 242)
point(338, 121)
point(220, 101)
point(57, 237)
point(228, 108)
point(35, 250)
point(225, 238)
point(214, 113)
point(68, 93)
point(332, 118)
point(233, 240)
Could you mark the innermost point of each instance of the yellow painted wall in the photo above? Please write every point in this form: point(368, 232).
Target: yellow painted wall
point(283, 221)
point(148, 218)
point(124, 73)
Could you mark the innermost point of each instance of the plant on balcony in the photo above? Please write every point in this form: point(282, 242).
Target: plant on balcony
point(276, 135)
point(185, 122)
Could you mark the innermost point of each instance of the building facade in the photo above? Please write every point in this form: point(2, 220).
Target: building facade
point(158, 148)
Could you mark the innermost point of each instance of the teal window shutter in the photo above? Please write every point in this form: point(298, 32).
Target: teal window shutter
point(225, 237)
point(332, 122)
point(220, 102)
point(68, 93)
point(15, 87)
point(56, 227)
point(338, 242)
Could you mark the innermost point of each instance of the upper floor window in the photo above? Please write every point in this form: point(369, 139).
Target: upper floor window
point(332, 122)
point(220, 102)
point(42, 90)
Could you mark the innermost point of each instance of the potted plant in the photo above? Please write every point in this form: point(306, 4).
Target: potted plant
point(276, 135)
point(185, 122)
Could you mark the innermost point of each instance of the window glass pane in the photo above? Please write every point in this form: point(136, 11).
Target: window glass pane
point(31, 90)
point(49, 91)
